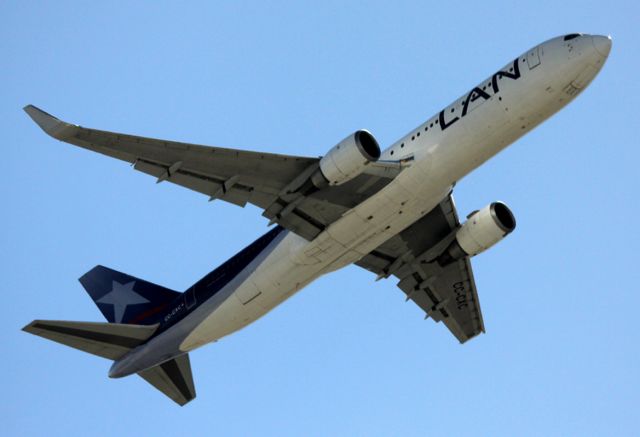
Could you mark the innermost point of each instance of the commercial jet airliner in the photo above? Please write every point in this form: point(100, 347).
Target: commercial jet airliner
point(389, 212)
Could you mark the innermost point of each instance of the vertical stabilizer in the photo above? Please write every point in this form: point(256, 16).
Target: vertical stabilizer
point(125, 299)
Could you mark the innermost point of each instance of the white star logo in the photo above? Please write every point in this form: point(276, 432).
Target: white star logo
point(121, 296)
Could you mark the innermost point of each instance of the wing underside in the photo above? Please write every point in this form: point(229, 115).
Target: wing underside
point(445, 293)
point(275, 183)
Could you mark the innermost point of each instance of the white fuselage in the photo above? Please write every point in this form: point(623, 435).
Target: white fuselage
point(447, 147)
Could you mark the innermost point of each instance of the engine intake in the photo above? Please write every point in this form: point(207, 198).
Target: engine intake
point(348, 158)
point(482, 230)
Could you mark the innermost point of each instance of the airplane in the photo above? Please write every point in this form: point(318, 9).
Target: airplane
point(390, 212)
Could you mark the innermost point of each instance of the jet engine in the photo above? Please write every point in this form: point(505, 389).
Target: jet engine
point(482, 230)
point(348, 158)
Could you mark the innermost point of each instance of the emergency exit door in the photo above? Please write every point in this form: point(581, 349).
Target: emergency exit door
point(533, 58)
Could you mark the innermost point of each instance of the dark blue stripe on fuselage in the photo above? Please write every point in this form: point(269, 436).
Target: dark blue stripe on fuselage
point(213, 282)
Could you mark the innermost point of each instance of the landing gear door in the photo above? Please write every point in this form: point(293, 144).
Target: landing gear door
point(533, 58)
point(247, 292)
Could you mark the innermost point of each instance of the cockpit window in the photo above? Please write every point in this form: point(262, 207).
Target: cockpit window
point(572, 36)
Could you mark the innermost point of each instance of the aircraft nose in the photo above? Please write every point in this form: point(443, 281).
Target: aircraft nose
point(602, 44)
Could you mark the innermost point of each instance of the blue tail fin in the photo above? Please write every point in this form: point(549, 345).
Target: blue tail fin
point(124, 299)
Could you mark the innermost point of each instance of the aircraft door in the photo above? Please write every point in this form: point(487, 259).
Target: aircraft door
point(533, 58)
point(190, 297)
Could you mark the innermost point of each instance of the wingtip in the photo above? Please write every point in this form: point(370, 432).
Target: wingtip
point(38, 115)
point(183, 402)
point(29, 327)
point(48, 123)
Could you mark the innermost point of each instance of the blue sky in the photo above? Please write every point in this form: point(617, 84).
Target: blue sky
point(346, 356)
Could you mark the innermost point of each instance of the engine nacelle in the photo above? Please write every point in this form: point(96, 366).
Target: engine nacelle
point(347, 159)
point(482, 230)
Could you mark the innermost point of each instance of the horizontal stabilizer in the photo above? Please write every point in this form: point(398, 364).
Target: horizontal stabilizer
point(173, 378)
point(108, 340)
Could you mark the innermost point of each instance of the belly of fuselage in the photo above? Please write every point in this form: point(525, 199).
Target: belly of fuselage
point(265, 286)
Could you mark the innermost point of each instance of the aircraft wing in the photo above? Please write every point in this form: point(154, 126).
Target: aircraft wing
point(272, 182)
point(446, 294)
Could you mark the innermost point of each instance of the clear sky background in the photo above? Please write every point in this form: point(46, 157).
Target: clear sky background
point(346, 356)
